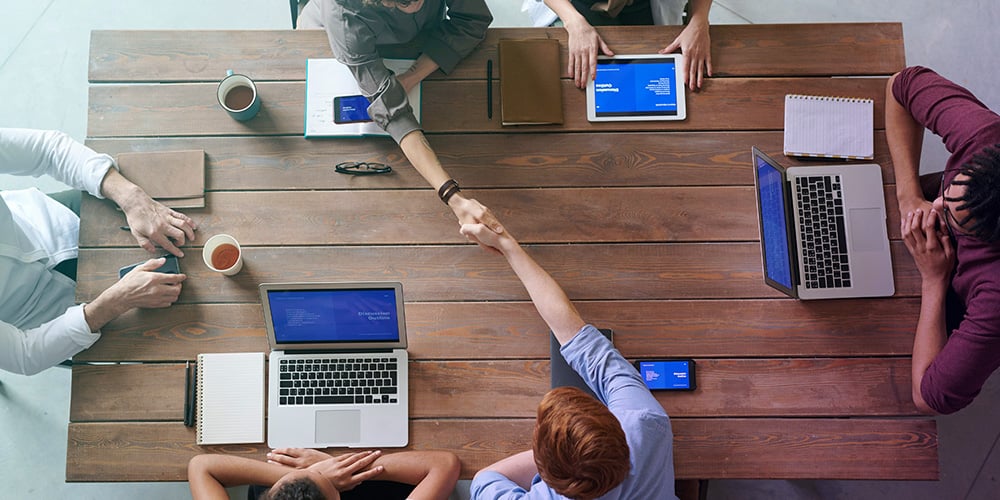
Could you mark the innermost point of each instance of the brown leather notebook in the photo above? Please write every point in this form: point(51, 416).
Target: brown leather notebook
point(530, 88)
point(174, 178)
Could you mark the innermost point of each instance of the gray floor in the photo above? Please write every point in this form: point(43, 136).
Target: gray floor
point(43, 83)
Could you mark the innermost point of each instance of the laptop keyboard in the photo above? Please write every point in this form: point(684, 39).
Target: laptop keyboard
point(337, 379)
point(823, 232)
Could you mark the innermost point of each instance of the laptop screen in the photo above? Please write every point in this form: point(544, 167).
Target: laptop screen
point(310, 316)
point(636, 87)
point(775, 232)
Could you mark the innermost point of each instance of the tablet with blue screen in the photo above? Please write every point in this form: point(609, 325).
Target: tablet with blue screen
point(637, 88)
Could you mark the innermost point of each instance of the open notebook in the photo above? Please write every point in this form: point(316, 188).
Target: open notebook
point(829, 127)
point(230, 398)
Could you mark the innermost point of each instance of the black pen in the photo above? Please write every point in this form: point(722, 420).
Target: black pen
point(489, 88)
point(188, 395)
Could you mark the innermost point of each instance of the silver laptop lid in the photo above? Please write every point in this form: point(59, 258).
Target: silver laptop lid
point(334, 316)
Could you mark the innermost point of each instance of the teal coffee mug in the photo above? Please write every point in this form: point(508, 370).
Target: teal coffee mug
point(238, 96)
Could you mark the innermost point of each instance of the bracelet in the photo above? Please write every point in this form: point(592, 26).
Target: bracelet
point(447, 190)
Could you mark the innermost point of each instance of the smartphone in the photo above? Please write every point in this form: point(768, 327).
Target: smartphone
point(350, 109)
point(171, 266)
point(667, 374)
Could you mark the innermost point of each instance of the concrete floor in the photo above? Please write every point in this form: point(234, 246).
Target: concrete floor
point(44, 48)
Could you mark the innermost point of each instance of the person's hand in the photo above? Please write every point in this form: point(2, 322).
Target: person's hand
point(696, 45)
point(142, 287)
point(495, 242)
point(299, 458)
point(912, 205)
point(347, 471)
point(408, 80)
point(470, 211)
point(929, 245)
point(584, 42)
point(153, 223)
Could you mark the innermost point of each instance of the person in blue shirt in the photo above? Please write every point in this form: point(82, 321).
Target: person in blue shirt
point(620, 447)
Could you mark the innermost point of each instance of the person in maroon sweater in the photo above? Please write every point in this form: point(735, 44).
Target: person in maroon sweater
point(954, 239)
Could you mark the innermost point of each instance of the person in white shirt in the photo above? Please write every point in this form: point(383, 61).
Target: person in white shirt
point(40, 324)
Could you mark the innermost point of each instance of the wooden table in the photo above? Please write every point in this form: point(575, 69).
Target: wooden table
point(650, 227)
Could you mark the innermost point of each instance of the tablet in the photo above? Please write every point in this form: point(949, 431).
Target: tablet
point(637, 88)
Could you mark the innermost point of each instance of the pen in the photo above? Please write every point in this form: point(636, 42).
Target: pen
point(188, 395)
point(489, 88)
point(124, 228)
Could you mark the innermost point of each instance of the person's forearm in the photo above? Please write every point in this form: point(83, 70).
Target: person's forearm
point(549, 298)
point(433, 472)
point(930, 337)
point(422, 157)
point(122, 191)
point(208, 475)
point(566, 12)
point(519, 468)
point(698, 11)
point(421, 68)
point(905, 138)
point(106, 307)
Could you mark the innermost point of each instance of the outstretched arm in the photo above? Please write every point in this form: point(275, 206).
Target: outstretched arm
point(210, 475)
point(550, 300)
point(905, 137)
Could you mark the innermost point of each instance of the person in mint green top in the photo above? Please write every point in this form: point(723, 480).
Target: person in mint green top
point(620, 447)
point(441, 32)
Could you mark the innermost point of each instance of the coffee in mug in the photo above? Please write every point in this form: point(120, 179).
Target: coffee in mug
point(222, 254)
point(237, 94)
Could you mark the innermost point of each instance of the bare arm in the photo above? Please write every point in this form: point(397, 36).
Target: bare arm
point(932, 252)
point(422, 68)
point(905, 137)
point(420, 154)
point(210, 475)
point(583, 41)
point(549, 299)
point(519, 468)
point(696, 44)
point(434, 472)
point(141, 287)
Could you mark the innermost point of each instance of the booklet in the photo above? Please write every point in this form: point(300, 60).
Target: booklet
point(334, 104)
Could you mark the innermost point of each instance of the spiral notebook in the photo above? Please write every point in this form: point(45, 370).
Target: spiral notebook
point(230, 396)
point(829, 127)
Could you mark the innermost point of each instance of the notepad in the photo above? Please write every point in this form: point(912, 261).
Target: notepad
point(230, 398)
point(335, 106)
point(829, 127)
point(173, 178)
point(530, 88)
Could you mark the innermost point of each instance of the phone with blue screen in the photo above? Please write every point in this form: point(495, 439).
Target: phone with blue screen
point(350, 109)
point(667, 374)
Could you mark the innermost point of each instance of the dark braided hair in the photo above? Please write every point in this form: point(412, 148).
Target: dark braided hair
point(299, 489)
point(982, 194)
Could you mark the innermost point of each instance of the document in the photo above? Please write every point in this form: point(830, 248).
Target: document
point(335, 106)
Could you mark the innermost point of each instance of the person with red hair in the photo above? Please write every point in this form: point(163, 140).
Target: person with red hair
point(620, 447)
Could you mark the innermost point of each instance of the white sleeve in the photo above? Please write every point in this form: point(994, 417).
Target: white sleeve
point(40, 152)
point(31, 351)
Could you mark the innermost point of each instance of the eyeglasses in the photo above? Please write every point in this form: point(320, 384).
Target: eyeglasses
point(362, 168)
point(950, 221)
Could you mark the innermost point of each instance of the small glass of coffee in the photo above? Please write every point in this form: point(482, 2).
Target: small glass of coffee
point(222, 254)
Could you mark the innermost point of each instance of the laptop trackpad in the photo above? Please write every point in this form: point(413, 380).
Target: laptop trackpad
point(338, 426)
point(867, 227)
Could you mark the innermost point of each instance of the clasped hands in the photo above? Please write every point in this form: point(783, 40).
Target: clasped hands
point(344, 471)
point(929, 243)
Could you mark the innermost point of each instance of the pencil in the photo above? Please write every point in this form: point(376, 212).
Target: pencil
point(188, 395)
point(489, 89)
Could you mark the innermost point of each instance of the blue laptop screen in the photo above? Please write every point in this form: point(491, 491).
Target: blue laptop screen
point(636, 87)
point(774, 223)
point(363, 315)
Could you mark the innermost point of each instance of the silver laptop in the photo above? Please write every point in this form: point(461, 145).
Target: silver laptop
point(337, 372)
point(823, 230)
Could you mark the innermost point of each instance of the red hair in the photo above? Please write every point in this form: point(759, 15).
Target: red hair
point(579, 445)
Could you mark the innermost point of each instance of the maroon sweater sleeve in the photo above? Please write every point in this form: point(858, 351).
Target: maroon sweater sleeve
point(972, 351)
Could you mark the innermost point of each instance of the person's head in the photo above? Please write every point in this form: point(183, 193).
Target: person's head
point(579, 446)
point(970, 204)
point(407, 6)
point(303, 484)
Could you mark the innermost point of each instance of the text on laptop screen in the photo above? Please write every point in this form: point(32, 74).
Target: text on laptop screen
point(305, 316)
point(636, 87)
point(774, 223)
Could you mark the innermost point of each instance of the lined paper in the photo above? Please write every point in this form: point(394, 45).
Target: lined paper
point(829, 127)
point(230, 398)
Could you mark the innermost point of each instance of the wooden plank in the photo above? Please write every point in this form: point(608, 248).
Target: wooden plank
point(467, 273)
point(729, 104)
point(440, 389)
point(460, 330)
point(703, 448)
point(737, 50)
point(638, 159)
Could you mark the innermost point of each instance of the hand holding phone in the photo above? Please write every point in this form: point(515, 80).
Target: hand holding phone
point(171, 266)
point(667, 374)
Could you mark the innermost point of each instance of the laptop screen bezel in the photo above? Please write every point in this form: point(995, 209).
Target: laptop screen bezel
point(333, 346)
point(793, 256)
